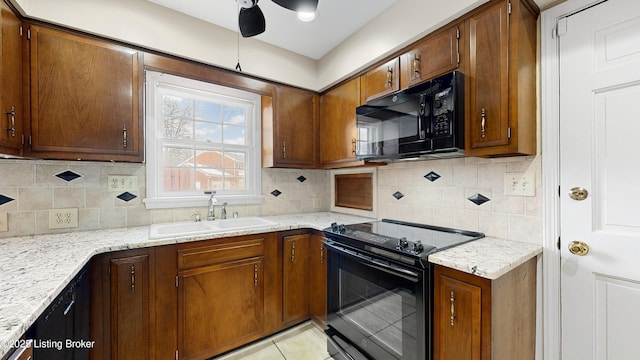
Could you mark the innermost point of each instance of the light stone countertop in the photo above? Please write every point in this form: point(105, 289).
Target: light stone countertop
point(35, 269)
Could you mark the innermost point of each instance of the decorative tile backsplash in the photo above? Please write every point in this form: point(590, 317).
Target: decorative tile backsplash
point(465, 193)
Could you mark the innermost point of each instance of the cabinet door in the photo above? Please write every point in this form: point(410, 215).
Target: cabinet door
point(318, 278)
point(488, 113)
point(11, 130)
point(85, 98)
point(295, 128)
point(220, 307)
point(295, 268)
point(437, 54)
point(381, 81)
point(338, 135)
point(130, 323)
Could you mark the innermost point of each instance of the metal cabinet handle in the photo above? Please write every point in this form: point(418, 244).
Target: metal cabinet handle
point(483, 121)
point(255, 275)
point(124, 135)
point(321, 254)
point(133, 279)
point(11, 114)
point(416, 64)
point(293, 251)
point(389, 75)
point(284, 150)
point(452, 298)
point(353, 146)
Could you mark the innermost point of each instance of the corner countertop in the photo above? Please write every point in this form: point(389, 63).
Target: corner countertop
point(35, 269)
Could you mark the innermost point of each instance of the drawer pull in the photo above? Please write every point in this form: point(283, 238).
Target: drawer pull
point(133, 279)
point(12, 120)
point(452, 298)
point(124, 136)
point(483, 122)
point(255, 275)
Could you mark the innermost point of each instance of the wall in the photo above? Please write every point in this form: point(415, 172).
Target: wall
point(444, 202)
point(34, 189)
point(28, 189)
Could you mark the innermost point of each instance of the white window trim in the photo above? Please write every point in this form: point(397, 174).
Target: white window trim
point(153, 146)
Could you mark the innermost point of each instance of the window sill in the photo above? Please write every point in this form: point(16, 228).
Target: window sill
point(200, 201)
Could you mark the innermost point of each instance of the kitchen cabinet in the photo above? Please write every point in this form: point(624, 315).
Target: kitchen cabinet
point(290, 129)
point(501, 79)
point(295, 272)
point(338, 135)
point(380, 81)
point(85, 98)
point(317, 277)
point(122, 304)
point(436, 54)
point(478, 318)
point(11, 129)
point(221, 294)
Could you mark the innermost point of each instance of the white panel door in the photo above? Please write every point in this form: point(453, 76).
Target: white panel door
point(600, 152)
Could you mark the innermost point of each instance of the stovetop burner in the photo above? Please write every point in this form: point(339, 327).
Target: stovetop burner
point(394, 238)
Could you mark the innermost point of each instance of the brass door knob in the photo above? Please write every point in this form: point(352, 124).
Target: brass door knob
point(578, 248)
point(578, 193)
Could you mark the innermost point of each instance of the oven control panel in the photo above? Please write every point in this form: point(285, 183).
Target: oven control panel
point(402, 244)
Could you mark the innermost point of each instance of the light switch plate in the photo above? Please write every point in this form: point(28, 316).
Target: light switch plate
point(63, 218)
point(120, 183)
point(520, 184)
point(4, 222)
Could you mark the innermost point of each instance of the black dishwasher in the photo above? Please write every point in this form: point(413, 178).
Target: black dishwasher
point(62, 331)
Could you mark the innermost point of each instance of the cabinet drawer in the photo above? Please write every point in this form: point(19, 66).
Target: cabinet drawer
point(219, 252)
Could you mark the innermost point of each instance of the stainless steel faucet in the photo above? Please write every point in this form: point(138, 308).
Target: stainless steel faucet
point(211, 212)
point(223, 213)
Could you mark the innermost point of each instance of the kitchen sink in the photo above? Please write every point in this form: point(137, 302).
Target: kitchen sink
point(191, 228)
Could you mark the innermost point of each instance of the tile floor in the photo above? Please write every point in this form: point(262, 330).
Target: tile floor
point(305, 341)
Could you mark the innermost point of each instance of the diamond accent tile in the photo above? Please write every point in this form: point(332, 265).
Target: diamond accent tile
point(126, 196)
point(68, 175)
point(276, 192)
point(432, 176)
point(398, 195)
point(302, 178)
point(478, 199)
point(5, 199)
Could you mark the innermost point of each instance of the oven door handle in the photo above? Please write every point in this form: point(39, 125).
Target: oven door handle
point(378, 265)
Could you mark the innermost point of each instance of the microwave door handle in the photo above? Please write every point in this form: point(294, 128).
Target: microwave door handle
point(422, 117)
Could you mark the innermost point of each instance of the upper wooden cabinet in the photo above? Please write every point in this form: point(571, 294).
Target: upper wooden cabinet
point(501, 80)
point(85, 98)
point(476, 318)
point(11, 130)
point(338, 135)
point(436, 54)
point(290, 129)
point(380, 81)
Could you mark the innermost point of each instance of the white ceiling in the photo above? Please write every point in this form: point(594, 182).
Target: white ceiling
point(336, 21)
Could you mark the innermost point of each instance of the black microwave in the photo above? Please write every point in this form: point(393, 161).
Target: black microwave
point(424, 121)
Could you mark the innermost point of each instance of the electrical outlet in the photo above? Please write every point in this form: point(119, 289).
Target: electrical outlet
point(63, 218)
point(520, 184)
point(119, 183)
point(4, 222)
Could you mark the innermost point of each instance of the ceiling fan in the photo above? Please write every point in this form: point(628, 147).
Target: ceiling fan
point(251, 18)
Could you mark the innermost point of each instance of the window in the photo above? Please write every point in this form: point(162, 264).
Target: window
point(200, 137)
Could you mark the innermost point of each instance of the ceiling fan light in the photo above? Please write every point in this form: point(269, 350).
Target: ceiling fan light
point(298, 5)
point(251, 21)
point(306, 16)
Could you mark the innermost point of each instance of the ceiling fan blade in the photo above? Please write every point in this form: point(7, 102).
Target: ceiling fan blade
point(298, 5)
point(251, 21)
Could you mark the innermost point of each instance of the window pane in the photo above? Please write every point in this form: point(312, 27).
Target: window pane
point(234, 115)
point(208, 132)
point(235, 174)
point(209, 169)
point(234, 135)
point(177, 114)
point(208, 111)
point(178, 171)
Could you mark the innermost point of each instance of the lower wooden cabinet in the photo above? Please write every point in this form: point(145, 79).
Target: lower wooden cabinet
point(122, 308)
point(481, 319)
point(317, 278)
point(222, 291)
point(295, 279)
